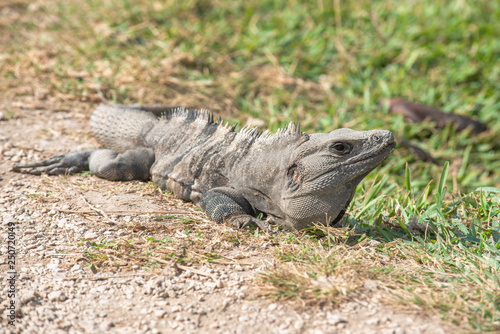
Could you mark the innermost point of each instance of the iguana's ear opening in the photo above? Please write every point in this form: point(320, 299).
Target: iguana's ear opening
point(294, 174)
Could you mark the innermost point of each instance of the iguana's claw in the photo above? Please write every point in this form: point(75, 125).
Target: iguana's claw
point(49, 166)
point(68, 163)
point(247, 220)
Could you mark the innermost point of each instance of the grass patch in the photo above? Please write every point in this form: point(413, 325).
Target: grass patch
point(199, 243)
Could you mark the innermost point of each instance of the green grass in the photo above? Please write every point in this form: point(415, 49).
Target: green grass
point(325, 64)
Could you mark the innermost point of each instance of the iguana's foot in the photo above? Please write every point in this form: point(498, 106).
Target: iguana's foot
point(67, 163)
point(243, 221)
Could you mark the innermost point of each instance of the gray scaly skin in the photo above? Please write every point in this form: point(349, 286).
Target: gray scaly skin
point(292, 178)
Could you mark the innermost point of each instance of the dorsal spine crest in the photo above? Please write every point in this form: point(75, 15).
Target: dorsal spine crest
point(207, 116)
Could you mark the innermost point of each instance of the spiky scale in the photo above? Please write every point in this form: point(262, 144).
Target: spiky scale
point(231, 129)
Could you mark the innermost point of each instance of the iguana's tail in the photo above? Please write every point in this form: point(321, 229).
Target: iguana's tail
point(121, 128)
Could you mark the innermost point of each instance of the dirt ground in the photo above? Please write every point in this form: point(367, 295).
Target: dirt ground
point(65, 285)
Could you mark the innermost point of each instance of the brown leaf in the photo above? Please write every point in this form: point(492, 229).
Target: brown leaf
point(419, 153)
point(418, 113)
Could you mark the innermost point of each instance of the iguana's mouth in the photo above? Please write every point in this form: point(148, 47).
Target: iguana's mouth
point(385, 152)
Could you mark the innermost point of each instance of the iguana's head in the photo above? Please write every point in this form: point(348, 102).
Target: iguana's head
point(323, 173)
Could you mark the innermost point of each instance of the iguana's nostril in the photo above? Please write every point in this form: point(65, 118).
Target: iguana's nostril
point(390, 137)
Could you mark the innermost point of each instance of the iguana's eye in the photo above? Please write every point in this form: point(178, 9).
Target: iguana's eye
point(341, 148)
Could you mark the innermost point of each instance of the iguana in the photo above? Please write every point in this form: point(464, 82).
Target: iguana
point(292, 178)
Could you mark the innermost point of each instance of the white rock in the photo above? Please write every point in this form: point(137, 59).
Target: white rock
point(272, 307)
point(371, 285)
point(373, 321)
point(244, 318)
point(58, 296)
point(62, 223)
point(334, 318)
point(90, 235)
point(53, 264)
point(159, 313)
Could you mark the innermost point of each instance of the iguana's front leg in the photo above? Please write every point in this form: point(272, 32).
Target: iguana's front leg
point(107, 164)
point(227, 205)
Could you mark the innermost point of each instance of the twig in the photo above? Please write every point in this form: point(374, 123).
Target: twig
point(104, 277)
point(185, 268)
point(63, 254)
point(97, 210)
point(221, 261)
point(196, 271)
point(123, 211)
